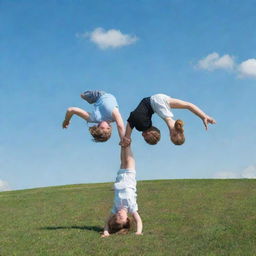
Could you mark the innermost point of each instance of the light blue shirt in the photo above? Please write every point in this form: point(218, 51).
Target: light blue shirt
point(125, 191)
point(103, 109)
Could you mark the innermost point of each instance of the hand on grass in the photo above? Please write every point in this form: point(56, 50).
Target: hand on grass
point(208, 120)
point(105, 234)
point(65, 124)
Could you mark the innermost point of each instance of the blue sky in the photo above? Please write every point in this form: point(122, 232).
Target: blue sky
point(198, 51)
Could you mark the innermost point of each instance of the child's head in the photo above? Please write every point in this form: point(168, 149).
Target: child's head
point(152, 135)
point(101, 132)
point(177, 133)
point(119, 223)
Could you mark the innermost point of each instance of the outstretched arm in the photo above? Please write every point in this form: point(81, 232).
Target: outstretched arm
point(119, 123)
point(138, 221)
point(127, 159)
point(175, 103)
point(170, 123)
point(128, 131)
point(70, 112)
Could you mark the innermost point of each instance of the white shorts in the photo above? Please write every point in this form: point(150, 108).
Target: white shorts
point(125, 179)
point(161, 106)
point(125, 191)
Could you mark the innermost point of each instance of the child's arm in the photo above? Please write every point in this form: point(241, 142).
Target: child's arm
point(138, 221)
point(170, 123)
point(126, 140)
point(128, 131)
point(77, 111)
point(106, 227)
point(175, 103)
point(119, 122)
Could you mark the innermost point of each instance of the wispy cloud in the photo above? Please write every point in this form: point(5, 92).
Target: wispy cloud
point(226, 62)
point(112, 38)
point(4, 186)
point(247, 173)
point(215, 61)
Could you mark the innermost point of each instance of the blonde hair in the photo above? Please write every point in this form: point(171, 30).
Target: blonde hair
point(179, 139)
point(115, 227)
point(99, 135)
point(154, 135)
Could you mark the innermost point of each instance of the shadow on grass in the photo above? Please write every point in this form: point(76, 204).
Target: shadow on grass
point(90, 228)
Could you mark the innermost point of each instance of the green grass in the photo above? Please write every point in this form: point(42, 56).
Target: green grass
point(180, 217)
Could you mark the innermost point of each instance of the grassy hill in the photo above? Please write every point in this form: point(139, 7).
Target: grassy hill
point(181, 217)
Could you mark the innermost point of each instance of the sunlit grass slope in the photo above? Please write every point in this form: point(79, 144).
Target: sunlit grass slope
point(181, 217)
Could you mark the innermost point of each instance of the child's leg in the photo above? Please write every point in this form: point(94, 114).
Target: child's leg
point(92, 96)
point(127, 159)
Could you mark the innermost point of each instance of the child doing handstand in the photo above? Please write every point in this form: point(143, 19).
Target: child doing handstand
point(105, 111)
point(161, 104)
point(125, 198)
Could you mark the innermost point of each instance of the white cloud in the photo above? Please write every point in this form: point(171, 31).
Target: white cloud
point(109, 39)
point(215, 61)
point(247, 173)
point(226, 175)
point(247, 68)
point(4, 186)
